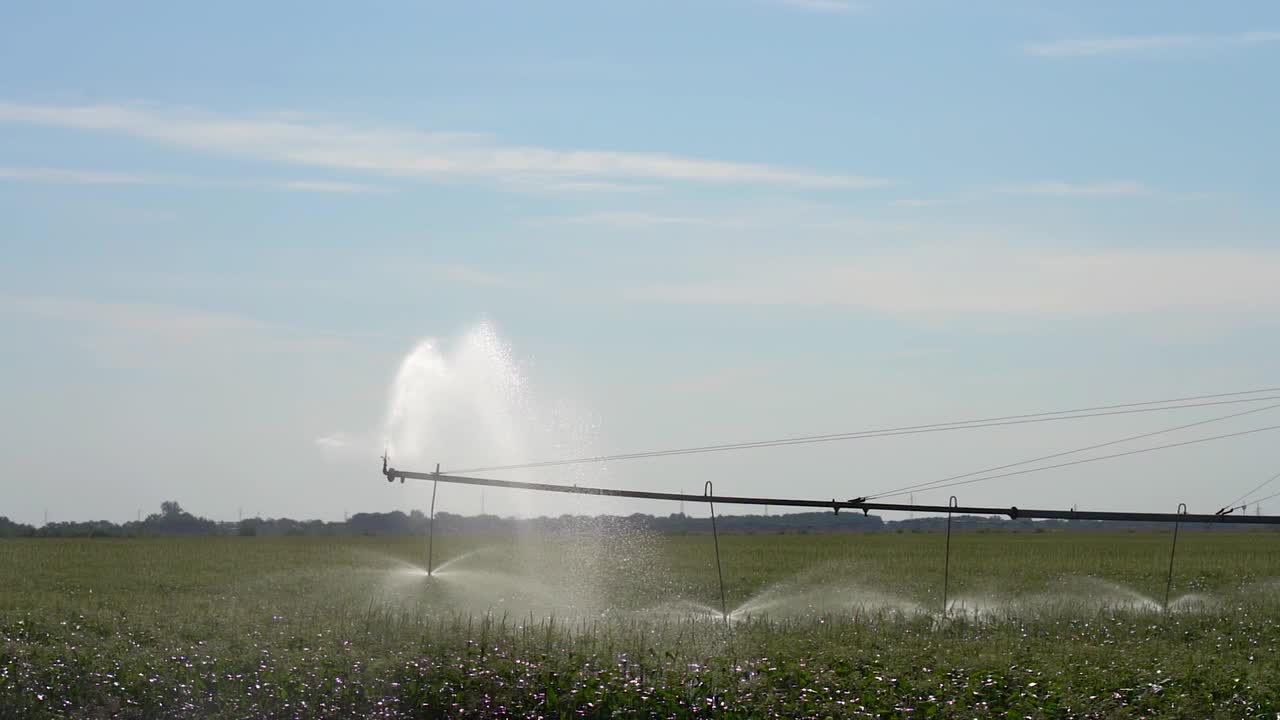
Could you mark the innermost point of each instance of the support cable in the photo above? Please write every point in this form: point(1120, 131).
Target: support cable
point(1261, 500)
point(1236, 504)
point(1051, 416)
point(929, 485)
point(1100, 457)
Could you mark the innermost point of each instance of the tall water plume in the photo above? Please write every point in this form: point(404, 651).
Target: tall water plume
point(465, 401)
point(470, 402)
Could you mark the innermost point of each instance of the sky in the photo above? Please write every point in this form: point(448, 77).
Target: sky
point(224, 228)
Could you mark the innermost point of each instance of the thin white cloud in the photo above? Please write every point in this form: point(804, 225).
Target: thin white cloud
point(940, 282)
point(157, 318)
point(575, 186)
point(71, 176)
point(333, 441)
point(407, 270)
point(635, 219)
point(63, 176)
point(831, 7)
point(137, 215)
point(345, 446)
point(1066, 189)
point(720, 380)
point(1149, 43)
point(147, 333)
point(404, 153)
point(324, 186)
point(1058, 188)
point(463, 275)
point(776, 216)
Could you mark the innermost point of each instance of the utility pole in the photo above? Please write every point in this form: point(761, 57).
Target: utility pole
point(481, 501)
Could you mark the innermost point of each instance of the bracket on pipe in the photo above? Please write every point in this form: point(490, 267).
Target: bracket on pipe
point(389, 473)
point(858, 503)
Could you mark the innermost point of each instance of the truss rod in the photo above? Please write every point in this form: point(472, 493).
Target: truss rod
point(834, 505)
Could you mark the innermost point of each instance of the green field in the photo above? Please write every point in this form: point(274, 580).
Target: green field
point(611, 623)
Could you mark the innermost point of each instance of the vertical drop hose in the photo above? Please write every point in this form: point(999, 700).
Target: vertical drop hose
point(1173, 550)
point(708, 491)
point(946, 565)
point(431, 530)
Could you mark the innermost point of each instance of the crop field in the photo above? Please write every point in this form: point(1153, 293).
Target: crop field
point(606, 623)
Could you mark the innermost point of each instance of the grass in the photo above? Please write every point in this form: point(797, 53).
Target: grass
point(617, 624)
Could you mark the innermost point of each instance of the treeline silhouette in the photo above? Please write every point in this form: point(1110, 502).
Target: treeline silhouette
point(173, 521)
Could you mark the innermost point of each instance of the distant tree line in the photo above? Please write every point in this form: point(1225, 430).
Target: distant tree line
point(173, 521)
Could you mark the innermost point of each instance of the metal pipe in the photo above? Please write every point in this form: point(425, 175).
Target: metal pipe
point(1168, 583)
point(707, 491)
point(946, 566)
point(855, 504)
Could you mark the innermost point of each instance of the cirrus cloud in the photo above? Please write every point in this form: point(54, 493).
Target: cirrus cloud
point(945, 282)
point(1130, 44)
point(302, 140)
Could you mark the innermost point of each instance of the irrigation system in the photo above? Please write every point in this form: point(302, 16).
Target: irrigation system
point(1224, 516)
point(858, 503)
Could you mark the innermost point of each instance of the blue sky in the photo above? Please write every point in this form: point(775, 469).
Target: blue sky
point(224, 227)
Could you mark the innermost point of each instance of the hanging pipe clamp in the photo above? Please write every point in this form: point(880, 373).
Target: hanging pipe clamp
point(389, 472)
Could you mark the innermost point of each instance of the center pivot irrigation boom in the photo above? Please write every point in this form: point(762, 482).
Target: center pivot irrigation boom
point(857, 503)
